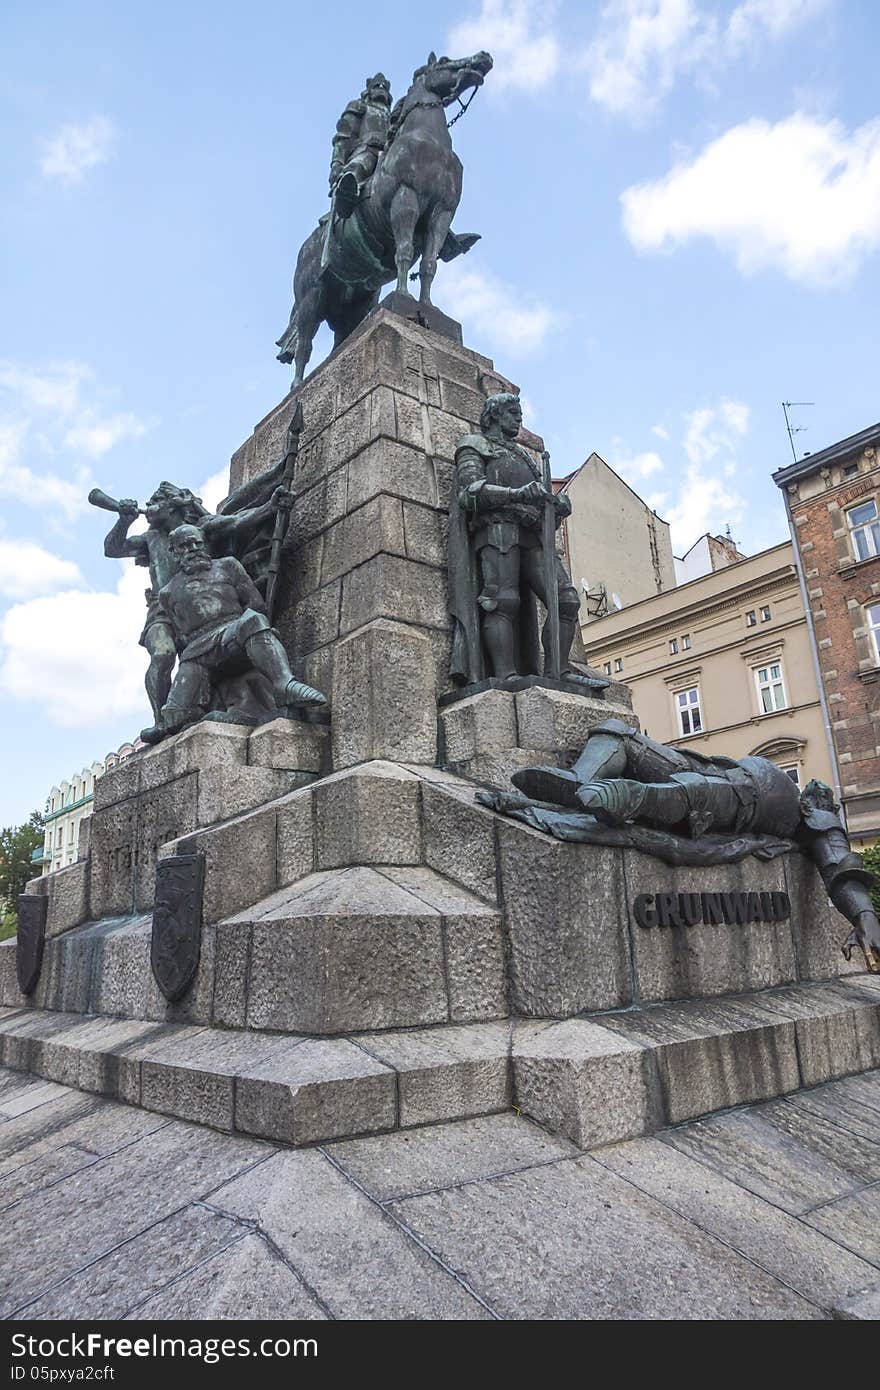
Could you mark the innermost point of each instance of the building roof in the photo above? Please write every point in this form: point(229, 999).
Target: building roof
point(854, 444)
point(563, 484)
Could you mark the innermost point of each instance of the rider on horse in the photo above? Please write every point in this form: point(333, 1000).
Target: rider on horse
point(361, 132)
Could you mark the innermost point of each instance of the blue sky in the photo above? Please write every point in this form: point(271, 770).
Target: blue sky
point(680, 209)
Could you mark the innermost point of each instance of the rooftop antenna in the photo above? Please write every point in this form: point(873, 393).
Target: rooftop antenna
point(793, 429)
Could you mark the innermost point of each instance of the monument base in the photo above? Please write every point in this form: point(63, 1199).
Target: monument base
point(426, 315)
point(380, 951)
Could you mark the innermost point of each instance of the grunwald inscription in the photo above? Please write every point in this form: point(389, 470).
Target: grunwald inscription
point(711, 909)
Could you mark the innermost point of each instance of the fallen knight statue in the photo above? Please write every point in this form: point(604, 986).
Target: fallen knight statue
point(686, 808)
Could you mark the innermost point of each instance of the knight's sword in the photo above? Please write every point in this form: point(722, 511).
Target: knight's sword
point(552, 656)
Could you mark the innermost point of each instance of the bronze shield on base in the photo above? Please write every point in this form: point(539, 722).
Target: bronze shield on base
point(30, 940)
point(177, 923)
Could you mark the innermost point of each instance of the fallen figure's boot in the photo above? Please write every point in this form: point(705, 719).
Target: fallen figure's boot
point(550, 784)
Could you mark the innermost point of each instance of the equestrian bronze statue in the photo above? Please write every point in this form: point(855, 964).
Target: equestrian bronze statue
point(391, 207)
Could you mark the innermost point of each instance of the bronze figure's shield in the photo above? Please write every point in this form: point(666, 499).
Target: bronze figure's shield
point(30, 940)
point(177, 923)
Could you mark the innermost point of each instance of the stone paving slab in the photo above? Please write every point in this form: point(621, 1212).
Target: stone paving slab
point(853, 1221)
point(484, 1218)
point(864, 1307)
point(796, 1166)
point(757, 1229)
point(353, 1255)
point(575, 1241)
point(53, 1233)
point(398, 1165)
point(137, 1268)
point(247, 1280)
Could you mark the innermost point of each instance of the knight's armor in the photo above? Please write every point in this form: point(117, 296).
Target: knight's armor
point(505, 534)
point(361, 132)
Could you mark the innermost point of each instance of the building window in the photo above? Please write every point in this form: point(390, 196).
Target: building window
point(872, 614)
point(618, 663)
point(607, 668)
point(865, 528)
point(771, 688)
point(765, 614)
point(690, 718)
point(686, 642)
point(792, 771)
point(850, 470)
point(751, 618)
point(673, 646)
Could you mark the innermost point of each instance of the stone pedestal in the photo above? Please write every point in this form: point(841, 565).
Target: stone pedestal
point(494, 732)
point(363, 596)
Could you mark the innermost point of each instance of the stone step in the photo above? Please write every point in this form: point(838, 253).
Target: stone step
point(296, 1090)
point(341, 950)
point(614, 1076)
point(596, 1080)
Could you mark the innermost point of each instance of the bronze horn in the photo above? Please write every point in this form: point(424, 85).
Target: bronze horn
point(106, 502)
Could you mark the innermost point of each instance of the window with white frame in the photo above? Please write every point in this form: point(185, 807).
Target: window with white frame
point(751, 618)
point(771, 687)
point(607, 668)
point(793, 771)
point(864, 526)
point(690, 715)
point(673, 646)
point(686, 642)
point(872, 622)
point(618, 663)
point(765, 614)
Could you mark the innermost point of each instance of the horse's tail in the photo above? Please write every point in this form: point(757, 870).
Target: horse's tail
point(306, 274)
point(289, 340)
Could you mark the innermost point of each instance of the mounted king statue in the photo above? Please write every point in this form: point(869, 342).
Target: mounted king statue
point(395, 185)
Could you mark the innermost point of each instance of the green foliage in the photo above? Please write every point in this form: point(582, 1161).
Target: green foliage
point(17, 844)
point(871, 860)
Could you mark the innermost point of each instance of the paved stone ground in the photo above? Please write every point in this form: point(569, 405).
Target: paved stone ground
point(767, 1212)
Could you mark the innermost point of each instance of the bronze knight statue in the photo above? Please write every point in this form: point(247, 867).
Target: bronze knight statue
point(685, 807)
point(502, 558)
point(360, 136)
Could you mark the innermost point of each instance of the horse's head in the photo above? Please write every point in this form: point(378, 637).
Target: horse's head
point(447, 78)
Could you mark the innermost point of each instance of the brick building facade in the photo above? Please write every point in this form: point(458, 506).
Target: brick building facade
point(833, 502)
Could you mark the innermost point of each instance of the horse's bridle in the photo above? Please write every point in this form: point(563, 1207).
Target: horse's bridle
point(438, 101)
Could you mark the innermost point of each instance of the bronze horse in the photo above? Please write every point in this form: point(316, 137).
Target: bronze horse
point(405, 213)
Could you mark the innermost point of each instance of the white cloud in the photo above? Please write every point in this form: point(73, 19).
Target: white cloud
point(27, 569)
point(643, 47)
point(755, 21)
point(501, 314)
point(661, 431)
point(74, 656)
point(215, 489)
point(712, 430)
point(638, 467)
point(75, 148)
point(704, 503)
point(48, 411)
point(94, 436)
point(640, 49)
point(520, 36)
point(801, 196)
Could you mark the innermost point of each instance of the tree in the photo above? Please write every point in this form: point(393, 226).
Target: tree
point(17, 844)
point(871, 860)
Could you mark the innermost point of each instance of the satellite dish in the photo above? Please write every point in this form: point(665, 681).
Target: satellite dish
point(616, 600)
